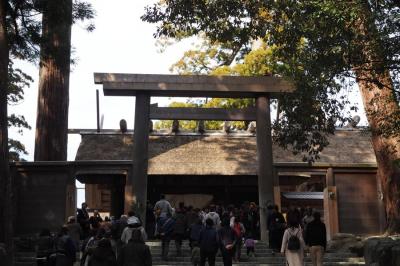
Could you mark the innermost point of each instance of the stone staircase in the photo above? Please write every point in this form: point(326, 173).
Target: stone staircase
point(263, 257)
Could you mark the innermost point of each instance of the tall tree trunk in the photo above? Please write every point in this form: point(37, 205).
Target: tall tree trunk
point(6, 226)
point(53, 100)
point(382, 110)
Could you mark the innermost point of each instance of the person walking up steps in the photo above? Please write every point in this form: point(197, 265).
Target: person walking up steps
point(239, 231)
point(276, 227)
point(135, 253)
point(250, 244)
point(315, 237)
point(166, 233)
point(292, 243)
point(163, 207)
point(208, 242)
point(228, 240)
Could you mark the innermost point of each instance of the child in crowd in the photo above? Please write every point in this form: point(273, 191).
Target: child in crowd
point(195, 253)
point(250, 244)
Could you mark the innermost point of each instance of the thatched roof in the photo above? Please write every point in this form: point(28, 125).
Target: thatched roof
point(219, 154)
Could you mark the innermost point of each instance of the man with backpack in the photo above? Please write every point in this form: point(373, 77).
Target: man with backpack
point(292, 243)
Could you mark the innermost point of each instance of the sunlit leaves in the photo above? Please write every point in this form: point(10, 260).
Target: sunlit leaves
point(315, 44)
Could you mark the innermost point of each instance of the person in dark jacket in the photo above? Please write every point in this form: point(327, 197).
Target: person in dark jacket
point(227, 241)
point(315, 238)
point(65, 252)
point(74, 231)
point(135, 253)
point(166, 233)
point(103, 255)
point(191, 216)
point(83, 219)
point(180, 227)
point(276, 225)
point(194, 233)
point(208, 242)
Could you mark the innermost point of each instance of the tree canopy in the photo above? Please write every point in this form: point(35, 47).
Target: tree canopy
point(324, 47)
point(312, 43)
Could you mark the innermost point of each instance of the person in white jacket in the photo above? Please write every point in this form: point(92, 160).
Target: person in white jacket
point(293, 243)
point(133, 224)
point(214, 216)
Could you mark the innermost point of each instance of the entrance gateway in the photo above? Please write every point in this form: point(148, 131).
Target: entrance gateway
point(145, 86)
point(231, 165)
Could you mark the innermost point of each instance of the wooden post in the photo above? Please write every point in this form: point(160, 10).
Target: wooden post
point(331, 218)
point(98, 111)
point(265, 161)
point(140, 153)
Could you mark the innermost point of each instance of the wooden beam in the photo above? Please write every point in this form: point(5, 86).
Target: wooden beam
point(265, 167)
point(190, 85)
point(189, 113)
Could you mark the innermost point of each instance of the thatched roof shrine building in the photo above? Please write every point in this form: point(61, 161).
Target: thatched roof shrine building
point(219, 153)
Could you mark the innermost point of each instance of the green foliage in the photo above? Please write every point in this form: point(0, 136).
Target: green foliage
point(183, 124)
point(18, 80)
point(207, 56)
point(191, 125)
point(24, 27)
point(315, 44)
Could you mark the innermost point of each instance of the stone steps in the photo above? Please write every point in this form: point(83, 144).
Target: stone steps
point(263, 257)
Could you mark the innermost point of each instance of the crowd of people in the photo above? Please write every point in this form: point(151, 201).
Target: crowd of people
point(224, 229)
point(209, 230)
point(301, 229)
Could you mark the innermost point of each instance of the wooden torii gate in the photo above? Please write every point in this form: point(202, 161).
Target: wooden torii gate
point(145, 86)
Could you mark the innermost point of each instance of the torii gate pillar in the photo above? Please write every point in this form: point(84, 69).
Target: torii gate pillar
point(140, 153)
point(265, 161)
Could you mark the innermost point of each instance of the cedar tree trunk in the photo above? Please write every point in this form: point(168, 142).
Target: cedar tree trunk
point(53, 100)
point(382, 110)
point(6, 226)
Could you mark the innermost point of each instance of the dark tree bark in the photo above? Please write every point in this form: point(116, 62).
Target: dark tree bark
point(6, 227)
point(382, 109)
point(386, 148)
point(53, 100)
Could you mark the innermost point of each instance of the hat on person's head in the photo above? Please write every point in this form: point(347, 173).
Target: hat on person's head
point(133, 220)
point(71, 219)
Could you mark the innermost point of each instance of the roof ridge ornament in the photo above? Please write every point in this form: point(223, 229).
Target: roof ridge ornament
point(227, 127)
point(175, 126)
point(252, 128)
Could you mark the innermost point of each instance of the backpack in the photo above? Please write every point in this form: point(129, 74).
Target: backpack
point(237, 229)
point(293, 242)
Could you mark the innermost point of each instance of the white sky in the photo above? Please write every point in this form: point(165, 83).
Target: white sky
point(121, 43)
